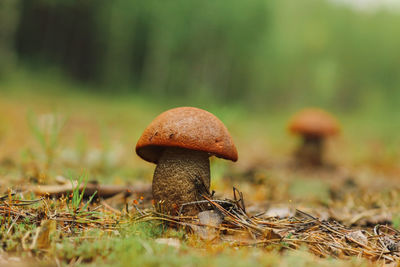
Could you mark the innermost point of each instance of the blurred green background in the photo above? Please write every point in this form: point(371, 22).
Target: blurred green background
point(99, 71)
point(260, 54)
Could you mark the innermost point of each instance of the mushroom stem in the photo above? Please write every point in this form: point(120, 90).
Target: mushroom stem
point(311, 151)
point(181, 176)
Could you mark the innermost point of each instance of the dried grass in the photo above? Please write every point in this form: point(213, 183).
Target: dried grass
point(324, 238)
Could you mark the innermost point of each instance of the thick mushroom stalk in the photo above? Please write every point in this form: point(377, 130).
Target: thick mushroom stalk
point(311, 151)
point(181, 176)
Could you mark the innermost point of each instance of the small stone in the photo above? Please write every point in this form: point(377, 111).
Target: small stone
point(210, 218)
point(280, 212)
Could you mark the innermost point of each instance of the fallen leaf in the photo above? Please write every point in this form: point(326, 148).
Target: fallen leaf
point(358, 236)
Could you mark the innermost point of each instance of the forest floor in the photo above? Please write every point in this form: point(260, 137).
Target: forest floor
point(345, 213)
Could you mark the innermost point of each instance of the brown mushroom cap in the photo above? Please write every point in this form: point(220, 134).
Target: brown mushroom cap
point(189, 128)
point(314, 122)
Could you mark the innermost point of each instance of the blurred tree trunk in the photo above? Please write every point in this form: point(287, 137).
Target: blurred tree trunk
point(9, 17)
point(62, 34)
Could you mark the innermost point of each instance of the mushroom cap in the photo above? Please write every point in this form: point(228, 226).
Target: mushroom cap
point(186, 127)
point(314, 122)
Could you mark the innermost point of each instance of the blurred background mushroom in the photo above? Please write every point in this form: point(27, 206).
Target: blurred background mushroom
point(313, 125)
point(180, 141)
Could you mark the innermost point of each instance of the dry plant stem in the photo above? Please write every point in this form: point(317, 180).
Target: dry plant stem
point(181, 176)
point(103, 191)
point(311, 151)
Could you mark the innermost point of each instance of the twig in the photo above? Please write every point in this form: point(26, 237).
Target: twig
point(104, 191)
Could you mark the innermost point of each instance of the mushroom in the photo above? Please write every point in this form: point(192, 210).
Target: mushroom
point(314, 125)
point(180, 141)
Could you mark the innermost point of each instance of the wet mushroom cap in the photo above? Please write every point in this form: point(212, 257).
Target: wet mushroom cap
point(186, 127)
point(314, 122)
